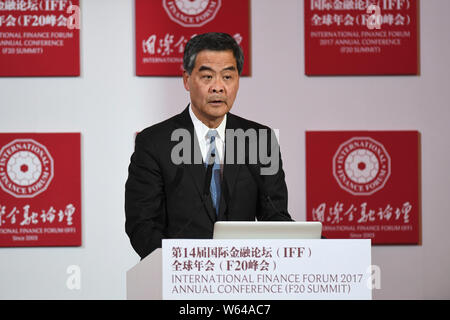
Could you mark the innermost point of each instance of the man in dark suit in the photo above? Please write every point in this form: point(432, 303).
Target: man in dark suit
point(190, 171)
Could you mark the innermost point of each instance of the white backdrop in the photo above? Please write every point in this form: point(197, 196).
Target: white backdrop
point(108, 104)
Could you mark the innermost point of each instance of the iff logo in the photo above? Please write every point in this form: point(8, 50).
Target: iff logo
point(26, 168)
point(361, 166)
point(192, 13)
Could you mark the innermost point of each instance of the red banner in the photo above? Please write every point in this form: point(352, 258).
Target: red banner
point(39, 38)
point(40, 189)
point(163, 27)
point(361, 37)
point(364, 184)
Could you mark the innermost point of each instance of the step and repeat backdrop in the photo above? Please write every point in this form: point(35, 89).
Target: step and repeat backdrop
point(359, 184)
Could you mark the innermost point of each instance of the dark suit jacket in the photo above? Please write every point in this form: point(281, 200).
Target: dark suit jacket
point(166, 200)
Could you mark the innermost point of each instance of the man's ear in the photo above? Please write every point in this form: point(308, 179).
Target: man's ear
point(185, 80)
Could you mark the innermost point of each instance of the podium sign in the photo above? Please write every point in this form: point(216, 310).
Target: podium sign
point(266, 269)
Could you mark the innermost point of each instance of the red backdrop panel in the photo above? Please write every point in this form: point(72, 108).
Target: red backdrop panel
point(35, 39)
point(364, 184)
point(40, 189)
point(339, 42)
point(163, 28)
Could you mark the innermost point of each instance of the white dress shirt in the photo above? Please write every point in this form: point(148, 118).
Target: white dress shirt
point(201, 130)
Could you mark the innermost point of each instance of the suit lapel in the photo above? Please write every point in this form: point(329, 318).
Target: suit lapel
point(196, 169)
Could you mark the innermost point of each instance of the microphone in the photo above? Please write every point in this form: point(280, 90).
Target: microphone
point(208, 176)
point(226, 196)
point(262, 188)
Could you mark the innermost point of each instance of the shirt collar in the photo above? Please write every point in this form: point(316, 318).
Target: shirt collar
point(202, 129)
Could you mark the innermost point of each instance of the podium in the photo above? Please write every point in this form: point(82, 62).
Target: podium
point(144, 280)
point(264, 269)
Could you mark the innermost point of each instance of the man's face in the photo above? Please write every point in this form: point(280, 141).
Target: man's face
point(213, 85)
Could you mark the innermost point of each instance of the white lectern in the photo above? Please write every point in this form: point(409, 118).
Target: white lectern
point(144, 280)
point(254, 269)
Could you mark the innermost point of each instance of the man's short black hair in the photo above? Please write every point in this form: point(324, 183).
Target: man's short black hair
point(215, 41)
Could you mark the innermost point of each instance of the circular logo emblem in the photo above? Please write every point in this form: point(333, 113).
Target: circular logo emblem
point(192, 13)
point(361, 166)
point(26, 168)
